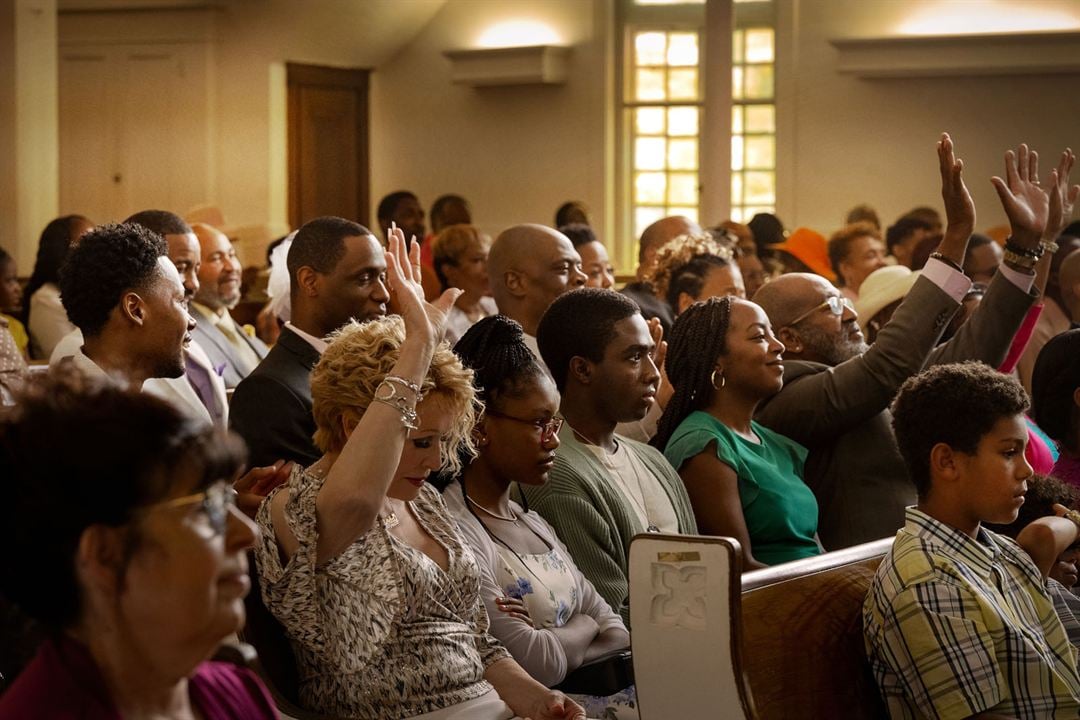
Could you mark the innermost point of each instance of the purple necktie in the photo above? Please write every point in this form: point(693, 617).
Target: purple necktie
point(200, 381)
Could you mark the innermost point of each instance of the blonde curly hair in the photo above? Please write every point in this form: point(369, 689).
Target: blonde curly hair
point(677, 253)
point(359, 356)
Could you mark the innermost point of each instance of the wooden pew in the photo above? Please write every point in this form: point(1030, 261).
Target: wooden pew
point(802, 636)
point(789, 645)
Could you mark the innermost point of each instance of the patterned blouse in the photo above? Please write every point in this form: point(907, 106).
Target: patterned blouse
point(380, 631)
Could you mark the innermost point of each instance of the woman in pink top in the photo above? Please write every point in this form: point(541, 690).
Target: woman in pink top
point(125, 544)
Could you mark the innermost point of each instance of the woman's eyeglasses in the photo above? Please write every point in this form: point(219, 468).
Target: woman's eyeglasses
point(215, 501)
point(548, 428)
point(836, 304)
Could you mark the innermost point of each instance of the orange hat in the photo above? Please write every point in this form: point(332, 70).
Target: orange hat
point(811, 248)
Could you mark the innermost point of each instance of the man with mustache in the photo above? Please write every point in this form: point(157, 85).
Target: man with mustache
point(226, 343)
point(837, 391)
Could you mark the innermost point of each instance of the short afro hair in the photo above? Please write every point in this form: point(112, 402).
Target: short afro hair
point(1053, 382)
point(580, 323)
point(389, 204)
point(954, 404)
point(579, 234)
point(320, 244)
point(904, 228)
point(162, 222)
point(105, 263)
point(841, 241)
point(1043, 491)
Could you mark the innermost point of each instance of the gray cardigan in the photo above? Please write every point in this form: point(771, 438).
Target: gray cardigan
point(594, 518)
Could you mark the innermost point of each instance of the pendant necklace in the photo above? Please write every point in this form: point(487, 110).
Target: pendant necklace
point(641, 505)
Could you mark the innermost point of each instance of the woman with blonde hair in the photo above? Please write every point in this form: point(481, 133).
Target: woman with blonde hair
point(360, 560)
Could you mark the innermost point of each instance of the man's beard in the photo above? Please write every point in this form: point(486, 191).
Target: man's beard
point(833, 349)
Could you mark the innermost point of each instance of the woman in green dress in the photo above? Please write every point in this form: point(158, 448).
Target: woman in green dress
point(744, 480)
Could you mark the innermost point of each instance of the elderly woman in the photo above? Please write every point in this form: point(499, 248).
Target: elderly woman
point(461, 253)
point(128, 550)
point(360, 559)
point(543, 609)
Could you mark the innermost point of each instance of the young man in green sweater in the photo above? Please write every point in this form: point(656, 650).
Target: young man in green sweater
point(605, 488)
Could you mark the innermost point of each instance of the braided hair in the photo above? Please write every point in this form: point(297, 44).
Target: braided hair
point(698, 337)
point(494, 349)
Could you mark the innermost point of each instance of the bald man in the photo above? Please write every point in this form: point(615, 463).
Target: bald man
point(529, 266)
point(837, 391)
point(229, 346)
point(652, 239)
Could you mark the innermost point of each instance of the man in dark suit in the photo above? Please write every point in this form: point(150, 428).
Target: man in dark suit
point(337, 271)
point(229, 347)
point(837, 391)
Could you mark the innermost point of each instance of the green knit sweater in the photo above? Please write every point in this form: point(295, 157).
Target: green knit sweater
point(593, 517)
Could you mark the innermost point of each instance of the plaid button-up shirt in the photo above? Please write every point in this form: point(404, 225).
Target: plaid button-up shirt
point(955, 626)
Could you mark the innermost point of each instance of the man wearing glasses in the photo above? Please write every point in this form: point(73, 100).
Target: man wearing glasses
point(837, 390)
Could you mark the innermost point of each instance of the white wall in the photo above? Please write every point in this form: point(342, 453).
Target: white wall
point(516, 153)
point(852, 140)
point(28, 125)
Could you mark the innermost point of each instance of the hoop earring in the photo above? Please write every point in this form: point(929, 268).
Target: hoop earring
point(712, 379)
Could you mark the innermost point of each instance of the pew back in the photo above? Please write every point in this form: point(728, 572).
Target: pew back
point(684, 614)
point(802, 629)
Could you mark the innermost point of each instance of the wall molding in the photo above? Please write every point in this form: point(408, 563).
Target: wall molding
point(1024, 53)
point(530, 65)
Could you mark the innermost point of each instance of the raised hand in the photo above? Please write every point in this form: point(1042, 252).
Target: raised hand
point(1062, 197)
point(423, 320)
point(664, 390)
point(959, 207)
point(1026, 204)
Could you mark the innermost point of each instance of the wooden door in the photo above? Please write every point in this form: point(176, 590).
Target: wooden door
point(328, 143)
point(134, 129)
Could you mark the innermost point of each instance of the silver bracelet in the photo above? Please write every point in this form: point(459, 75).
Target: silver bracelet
point(1048, 246)
point(387, 394)
point(417, 390)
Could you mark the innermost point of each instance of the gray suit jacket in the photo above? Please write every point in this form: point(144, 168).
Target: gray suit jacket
point(841, 413)
point(220, 351)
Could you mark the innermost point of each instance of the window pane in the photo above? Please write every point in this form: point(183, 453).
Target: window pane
point(683, 189)
point(759, 82)
point(683, 121)
point(752, 210)
point(682, 84)
point(737, 46)
point(737, 119)
point(650, 85)
point(649, 121)
point(682, 154)
point(682, 49)
point(761, 152)
point(759, 45)
point(646, 216)
point(649, 48)
point(690, 212)
point(761, 118)
point(650, 187)
point(649, 153)
point(736, 152)
point(736, 188)
point(736, 83)
point(760, 187)
point(738, 214)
